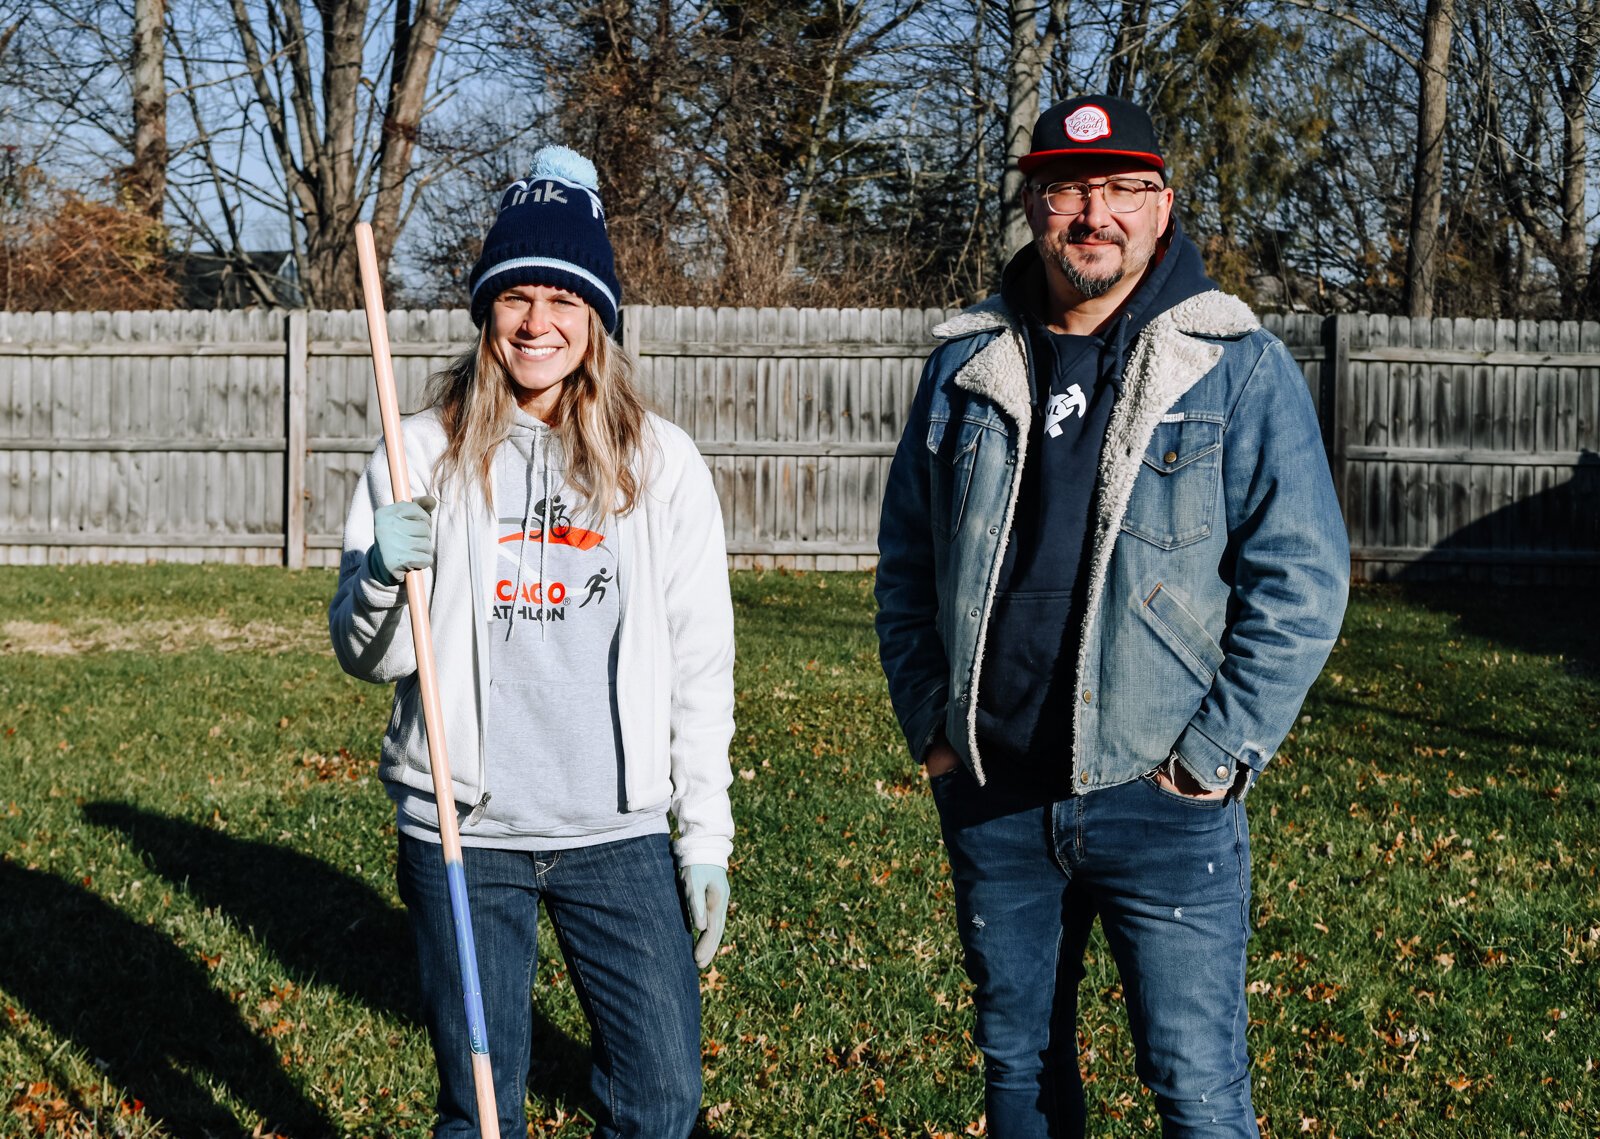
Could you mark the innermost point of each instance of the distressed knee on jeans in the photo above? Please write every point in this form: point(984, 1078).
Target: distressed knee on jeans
point(1225, 1110)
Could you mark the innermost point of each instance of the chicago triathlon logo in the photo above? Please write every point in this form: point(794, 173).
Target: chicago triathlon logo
point(568, 553)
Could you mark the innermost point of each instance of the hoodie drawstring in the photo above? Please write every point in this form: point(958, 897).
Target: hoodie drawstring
point(544, 523)
point(522, 545)
point(539, 440)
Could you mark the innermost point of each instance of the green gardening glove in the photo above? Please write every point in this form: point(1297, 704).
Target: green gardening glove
point(402, 539)
point(705, 889)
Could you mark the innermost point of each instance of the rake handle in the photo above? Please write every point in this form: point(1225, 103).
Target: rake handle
point(428, 679)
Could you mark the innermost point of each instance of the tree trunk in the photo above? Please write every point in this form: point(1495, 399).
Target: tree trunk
point(416, 44)
point(328, 173)
point(1578, 288)
point(980, 168)
point(1427, 191)
point(809, 164)
point(147, 177)
point(1127, 47)
point(1025, 66)
point(330, 231)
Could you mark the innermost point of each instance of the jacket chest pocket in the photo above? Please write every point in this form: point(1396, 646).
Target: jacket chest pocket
point(1175, 495)
point(952, 454)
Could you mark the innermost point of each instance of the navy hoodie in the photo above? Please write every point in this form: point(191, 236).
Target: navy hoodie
point(1033, 631)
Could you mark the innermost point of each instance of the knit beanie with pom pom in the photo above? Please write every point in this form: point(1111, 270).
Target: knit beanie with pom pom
point(550, 230)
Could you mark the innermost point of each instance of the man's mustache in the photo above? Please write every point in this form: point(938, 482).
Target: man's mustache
point(1110, 233)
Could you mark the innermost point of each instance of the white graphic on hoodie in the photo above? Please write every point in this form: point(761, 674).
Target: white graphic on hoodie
point(1064, 405)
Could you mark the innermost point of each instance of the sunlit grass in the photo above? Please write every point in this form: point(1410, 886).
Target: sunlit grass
point(199, 931)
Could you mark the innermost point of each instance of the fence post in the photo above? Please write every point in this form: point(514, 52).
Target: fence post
point(294, 453)
point(1333, 382)
point(629, 332)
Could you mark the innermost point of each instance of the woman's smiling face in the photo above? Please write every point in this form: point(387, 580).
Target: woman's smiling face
point(541, 334)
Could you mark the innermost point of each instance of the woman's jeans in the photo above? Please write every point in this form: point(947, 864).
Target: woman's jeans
point(619, 922)
point(1169, 878)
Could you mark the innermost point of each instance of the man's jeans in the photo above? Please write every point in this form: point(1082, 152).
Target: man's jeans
point(621, 928)
point(1170, 879)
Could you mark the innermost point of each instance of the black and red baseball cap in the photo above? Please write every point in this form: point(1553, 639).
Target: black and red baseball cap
point(1093, 124)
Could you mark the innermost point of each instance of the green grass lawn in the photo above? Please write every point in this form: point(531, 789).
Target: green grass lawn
point(199, 933)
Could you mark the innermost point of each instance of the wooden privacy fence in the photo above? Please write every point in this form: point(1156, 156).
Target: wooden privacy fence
point(1466, 448)
point(1460, 447)
point(797, 411)
point(238, 436)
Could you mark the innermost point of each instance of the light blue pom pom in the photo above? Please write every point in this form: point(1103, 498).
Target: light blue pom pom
point(564, 163)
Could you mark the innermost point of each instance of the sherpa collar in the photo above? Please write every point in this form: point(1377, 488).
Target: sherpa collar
point(1165, 354)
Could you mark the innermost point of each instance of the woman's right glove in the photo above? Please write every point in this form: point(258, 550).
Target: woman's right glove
point(402, 539)
point(705, 889)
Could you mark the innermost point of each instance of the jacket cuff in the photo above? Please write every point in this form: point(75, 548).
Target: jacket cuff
point(374, 594)
point(924, 725)
point(1212, 767)
point(703, 850)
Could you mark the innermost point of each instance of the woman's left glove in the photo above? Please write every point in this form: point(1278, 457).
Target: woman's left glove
point(705, 889)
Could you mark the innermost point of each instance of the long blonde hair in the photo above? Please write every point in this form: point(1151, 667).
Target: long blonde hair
point(600, 420)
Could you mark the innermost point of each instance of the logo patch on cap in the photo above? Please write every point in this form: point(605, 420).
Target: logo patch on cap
point(1087, 124)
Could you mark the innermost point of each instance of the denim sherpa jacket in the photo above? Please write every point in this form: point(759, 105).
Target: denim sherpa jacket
point(1218, 564)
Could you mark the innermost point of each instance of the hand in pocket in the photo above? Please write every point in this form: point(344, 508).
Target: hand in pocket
point(1175, 777)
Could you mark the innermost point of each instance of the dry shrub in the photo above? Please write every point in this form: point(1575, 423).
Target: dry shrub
point(736, 258)
point(63, 251)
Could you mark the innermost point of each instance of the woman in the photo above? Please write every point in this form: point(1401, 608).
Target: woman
point(583, 631)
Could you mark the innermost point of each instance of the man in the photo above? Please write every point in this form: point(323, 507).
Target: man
point(1111, 564)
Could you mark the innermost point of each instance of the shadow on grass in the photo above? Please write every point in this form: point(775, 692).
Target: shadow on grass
point(1543, 620)
point(325, 926)
point(1489, 745)
point(1544, 604)
point(140, 1007)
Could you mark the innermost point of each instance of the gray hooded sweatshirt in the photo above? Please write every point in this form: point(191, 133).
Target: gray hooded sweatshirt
point(553, 736)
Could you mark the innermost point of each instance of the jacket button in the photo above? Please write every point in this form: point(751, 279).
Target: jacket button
point(1084, 778)
point(974, 613)
point(1222, 772)
point(993, 530)
point(1170, 457)
point(1087, 696)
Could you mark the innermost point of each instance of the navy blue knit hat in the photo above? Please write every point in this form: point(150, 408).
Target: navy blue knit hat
point(550, 230)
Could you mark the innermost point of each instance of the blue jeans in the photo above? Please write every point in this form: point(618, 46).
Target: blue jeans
point(1169, 878)
point(621, 928)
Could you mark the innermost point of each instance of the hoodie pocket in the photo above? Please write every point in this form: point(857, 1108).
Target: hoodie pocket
point(1024, 686)
point(1175, 495)
point(952, 452)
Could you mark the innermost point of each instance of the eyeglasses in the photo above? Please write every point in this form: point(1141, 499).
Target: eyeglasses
point(1121, 195)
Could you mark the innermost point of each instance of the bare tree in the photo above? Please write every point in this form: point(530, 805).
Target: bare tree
point(847, 46)
point(146, 177)
point(416, 43)
point(1428, 183)
point(829, 151)
point(65, 80)
point(1025, 68)
point(1562, 43)
point(337, 126)
point(1128, 47)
